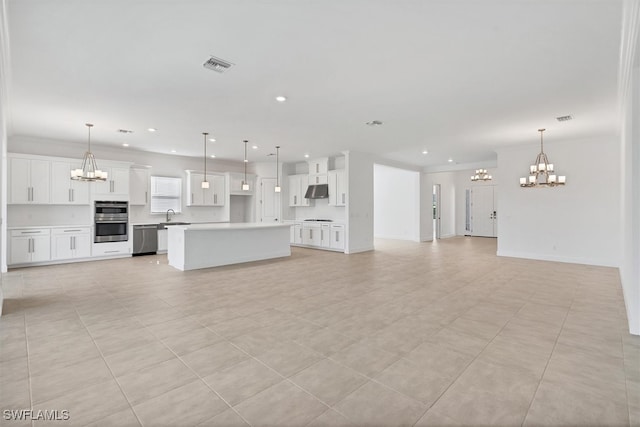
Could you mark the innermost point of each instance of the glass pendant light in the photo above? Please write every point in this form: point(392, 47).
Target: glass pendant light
point(277, 189)
point(205, 183)
point(245, 183)
point(89, 170)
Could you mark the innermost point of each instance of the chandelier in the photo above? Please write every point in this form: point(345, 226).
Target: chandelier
point(481, 175)
point(277, 188)
point(541, 173)
point(89, 170)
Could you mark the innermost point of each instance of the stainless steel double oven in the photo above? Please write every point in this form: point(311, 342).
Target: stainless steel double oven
point(111, 221)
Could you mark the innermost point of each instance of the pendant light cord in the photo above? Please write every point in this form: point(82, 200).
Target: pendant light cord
point(205, 154)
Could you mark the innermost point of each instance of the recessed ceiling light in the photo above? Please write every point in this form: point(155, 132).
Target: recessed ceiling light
point(213, 156)
point(450, 160)
point(212, 140)
point(255, 147)
point(306, 156)
point(125, 144)
point(152, 129)
point(173, 151)
point(425, 152)
point(281, 98)
point(374, 123)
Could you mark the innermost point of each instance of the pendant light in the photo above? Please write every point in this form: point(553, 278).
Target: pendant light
point(278, 189)
point(245, 183)
point(205, 183)
point(89, 170)
point(541, 173)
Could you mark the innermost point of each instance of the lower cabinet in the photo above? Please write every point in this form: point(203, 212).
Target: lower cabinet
point(316, 235)
point(163, 241)
point(69, 243)
point(325, 236)
point(336, 240)
point(311, 234)
point(111, 248)
point(30, 245)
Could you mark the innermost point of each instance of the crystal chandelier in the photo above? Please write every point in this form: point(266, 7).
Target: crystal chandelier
point(481, 175)
point(541, 173)
point(89, 170)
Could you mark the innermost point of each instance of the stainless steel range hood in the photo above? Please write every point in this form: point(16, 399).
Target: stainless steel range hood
point(317, 191)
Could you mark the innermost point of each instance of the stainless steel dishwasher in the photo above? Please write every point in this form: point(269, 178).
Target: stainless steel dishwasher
point(145, 239)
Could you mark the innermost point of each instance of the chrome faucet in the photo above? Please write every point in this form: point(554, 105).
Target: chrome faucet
point(170, 210)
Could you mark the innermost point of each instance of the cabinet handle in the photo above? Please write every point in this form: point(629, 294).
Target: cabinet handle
point(321, 234)
point(215, 199)
point(71, 243)
point(146, 194)
point(295, 200)
point(31, 245)
point(70, 195)
point(72, 231)
point(343, 196)
point(112, 186)
point(73, 195)
point(317, 170)
point(191, 198)
point(301, 234)
point(311, 233)
point(337, 236)
point(29, 232)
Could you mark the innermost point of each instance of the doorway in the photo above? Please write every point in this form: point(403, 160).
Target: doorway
point(483, 212)
point(436, 211)
point(269, 201)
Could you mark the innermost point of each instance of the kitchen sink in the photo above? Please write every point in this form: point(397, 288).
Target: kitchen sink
point(164, 225)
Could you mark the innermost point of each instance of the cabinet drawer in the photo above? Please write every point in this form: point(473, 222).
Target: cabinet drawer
point(71, 230)
point(31, 232)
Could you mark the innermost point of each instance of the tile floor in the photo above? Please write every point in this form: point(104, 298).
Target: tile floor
point(411, 334)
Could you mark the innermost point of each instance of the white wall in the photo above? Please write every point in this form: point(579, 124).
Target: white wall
point(447, 181)
point(575, 223)
point(359, 172)
point(396, 203)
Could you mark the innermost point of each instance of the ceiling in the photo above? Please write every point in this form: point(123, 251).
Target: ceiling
point(459, 79)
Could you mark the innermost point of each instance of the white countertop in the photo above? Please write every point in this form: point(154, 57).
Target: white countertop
point(31, 227)
point(229, 226)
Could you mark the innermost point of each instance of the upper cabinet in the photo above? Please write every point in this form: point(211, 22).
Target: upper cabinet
point(139, 186)
point(319, 166)
point(236, 180)
point(212, 196)
point(337, 188)
point(29, 181)
point(117, 184)
point(64, 190)
point(297, 188)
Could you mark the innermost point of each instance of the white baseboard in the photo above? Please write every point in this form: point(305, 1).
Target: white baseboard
point(557, 258)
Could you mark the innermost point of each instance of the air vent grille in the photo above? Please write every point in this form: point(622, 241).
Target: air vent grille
point(125, 131)
point(564, 118)
point(217, 64)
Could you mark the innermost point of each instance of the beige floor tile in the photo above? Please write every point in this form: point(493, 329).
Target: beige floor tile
point(228, 418)
point(208, 360)
point(325, 341)
point(567, 404)
point(88, 404)
point(462, 342)
point(14, 370)
point(15, 394)
point(407, 378)
point(328, 381)
point(138, 358)
point(283, 404)
point(439, 359)
point(242, 380)
point(12, 349)
point(510, 352)
point(256, 342)
point(289, 358)
point(174, 327)
point(123, 418)
point(364, 358)
point(192, 340)
point(122, 340)
point(63, 380)
point(374, 404)
point(155, 380)
point(190, 404)
point(331, 418)
point(433, 419)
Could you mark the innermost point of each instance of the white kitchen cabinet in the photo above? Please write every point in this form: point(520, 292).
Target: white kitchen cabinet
point(296, 233)
point(311, 234)
point(325, 236)
point(235, 184)
point(337, 188)
point(163, 241)
point(319, 166)
point(318, 179)
point(111, 248)
point(138, 186)
point(64, 190)
point(69, 243)
point(297, 188)
point(212, 196)
point(30, 245)
point(116, 186)
point(336, 240)
point(29, 181)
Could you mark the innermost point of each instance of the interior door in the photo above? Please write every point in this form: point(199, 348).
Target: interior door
point(483, 211)
point(269, 201)
point(436, 211)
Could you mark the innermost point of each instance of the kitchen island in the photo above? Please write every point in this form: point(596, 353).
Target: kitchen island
point(191, 247)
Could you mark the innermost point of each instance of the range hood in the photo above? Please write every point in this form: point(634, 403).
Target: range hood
point(317, 191)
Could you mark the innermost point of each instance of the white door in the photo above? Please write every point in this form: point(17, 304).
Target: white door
point(483, 211)
point(269, 201)
point(436, 211)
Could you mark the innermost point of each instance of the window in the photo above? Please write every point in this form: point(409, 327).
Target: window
point(166, 193)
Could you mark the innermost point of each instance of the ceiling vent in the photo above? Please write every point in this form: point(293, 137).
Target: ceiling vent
point(374, 123)
point(217, 64)
point(564, 118)
point(125, 131)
